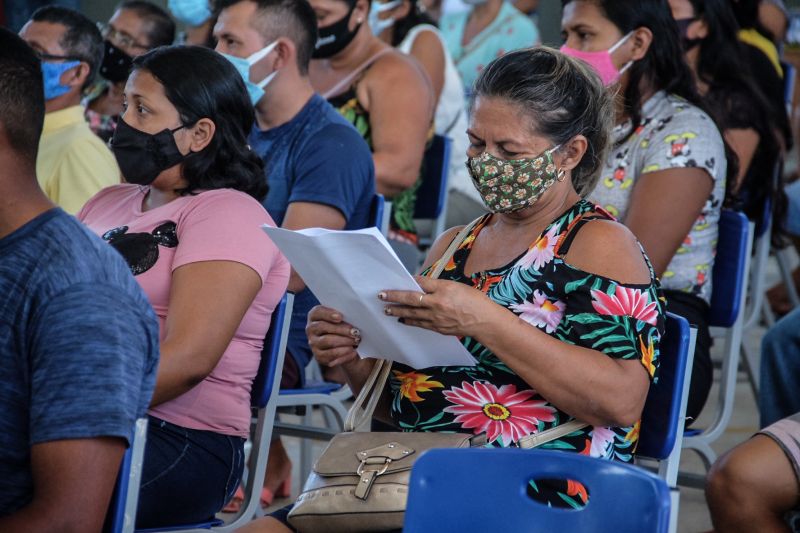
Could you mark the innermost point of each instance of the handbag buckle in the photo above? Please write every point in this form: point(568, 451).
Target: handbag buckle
point(382, 470)
point(367, 475)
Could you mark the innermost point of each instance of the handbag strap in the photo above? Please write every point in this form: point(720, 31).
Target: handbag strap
point(370, 393)
point(537, 439)
point(342, 84)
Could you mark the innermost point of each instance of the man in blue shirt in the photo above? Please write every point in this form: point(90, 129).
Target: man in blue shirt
point(318, 168)
point(78, 339)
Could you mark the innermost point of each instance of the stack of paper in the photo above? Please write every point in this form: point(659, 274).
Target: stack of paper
point(346, 270)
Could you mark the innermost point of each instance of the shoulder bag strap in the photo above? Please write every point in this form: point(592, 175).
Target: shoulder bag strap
point(371, 391)
point(347, 80)
point(537, 439)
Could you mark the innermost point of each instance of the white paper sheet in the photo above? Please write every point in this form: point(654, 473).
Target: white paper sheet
point(345, 270)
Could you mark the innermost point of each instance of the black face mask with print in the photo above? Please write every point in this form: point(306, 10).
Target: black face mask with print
point(143, 156)
point(335, 37)
point(116, 64)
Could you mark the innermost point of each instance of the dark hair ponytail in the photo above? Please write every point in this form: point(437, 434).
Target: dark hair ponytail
point(200, 83)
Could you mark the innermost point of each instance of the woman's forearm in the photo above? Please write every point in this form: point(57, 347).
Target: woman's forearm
point(357, 372)
point(585, 383)
point(179, 372)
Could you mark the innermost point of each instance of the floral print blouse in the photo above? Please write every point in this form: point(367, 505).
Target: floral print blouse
point(624, 321)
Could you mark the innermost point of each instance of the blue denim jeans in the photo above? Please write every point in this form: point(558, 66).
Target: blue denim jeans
point(188, 474)
point(779, 390)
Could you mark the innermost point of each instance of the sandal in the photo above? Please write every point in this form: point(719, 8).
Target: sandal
point(235, 505)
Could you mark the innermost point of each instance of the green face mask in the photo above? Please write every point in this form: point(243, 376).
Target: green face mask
point(507, 186)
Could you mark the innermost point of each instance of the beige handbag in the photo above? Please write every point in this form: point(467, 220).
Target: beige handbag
point(360, 482)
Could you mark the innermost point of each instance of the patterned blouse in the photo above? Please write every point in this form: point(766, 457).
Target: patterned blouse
point(672, 134)
point(624, 321)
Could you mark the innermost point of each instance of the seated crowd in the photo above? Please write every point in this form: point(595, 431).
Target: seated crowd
point(585, 190)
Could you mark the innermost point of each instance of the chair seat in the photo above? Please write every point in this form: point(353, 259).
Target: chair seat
point(201, 525)
point(313, 387)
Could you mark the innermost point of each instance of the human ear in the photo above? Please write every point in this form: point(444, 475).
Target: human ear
point(76, 77)
point(285, 53)
point(698, 29)
point(641, 40)
point(201, 134)
point(401, 11)
point(571, 153)
point(359, 13)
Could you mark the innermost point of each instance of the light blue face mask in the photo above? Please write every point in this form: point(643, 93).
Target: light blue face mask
point(243, 64)
point(51, 73)
point(190, 12)
point(377, 24)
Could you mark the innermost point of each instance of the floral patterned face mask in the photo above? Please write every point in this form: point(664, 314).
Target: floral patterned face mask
point(507, 186)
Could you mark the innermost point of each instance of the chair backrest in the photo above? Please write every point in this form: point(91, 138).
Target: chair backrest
point(431, 192)
point(483, 489)
point(661, 416)
point(125, 497)
point(262, 384)
point(376, 211)
point(729, 276)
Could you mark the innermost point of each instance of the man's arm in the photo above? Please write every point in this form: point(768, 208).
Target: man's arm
point(301, 215)
point(72, 484)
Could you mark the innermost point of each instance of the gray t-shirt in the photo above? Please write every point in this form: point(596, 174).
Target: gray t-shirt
point(673, 134)
point(78, 345)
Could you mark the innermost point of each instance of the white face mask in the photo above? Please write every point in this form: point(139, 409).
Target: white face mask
point(378, 24)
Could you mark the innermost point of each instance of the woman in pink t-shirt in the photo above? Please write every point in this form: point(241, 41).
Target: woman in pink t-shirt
point(188, 223)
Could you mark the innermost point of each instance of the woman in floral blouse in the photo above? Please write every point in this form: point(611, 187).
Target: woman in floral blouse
point(554, 299)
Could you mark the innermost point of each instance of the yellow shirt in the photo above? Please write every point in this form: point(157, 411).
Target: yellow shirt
point(753, 38)
point(73, 163)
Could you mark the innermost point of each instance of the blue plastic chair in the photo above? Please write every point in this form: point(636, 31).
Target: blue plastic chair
point(481, 490)
point(661, 430)
point(432, 193)
point(263, 397)
point(756, 302)
point(379, 216)
point(121, 516)
point(729, 278)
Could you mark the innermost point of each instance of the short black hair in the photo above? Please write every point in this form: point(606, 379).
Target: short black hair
point(21, 94)
point(294, 19)
point(200, 83)
point(82, 40)
point(160, 27)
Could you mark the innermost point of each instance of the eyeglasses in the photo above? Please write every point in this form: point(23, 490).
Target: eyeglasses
point(123, 40)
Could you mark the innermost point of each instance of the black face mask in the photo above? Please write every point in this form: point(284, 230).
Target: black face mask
point(116, 64)
point(143, 156)
point(335, 38)
point(683, 28)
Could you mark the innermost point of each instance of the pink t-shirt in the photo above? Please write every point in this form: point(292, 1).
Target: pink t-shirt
point(217, 225)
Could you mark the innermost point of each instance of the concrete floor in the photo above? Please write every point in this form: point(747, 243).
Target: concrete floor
point(693, 516)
